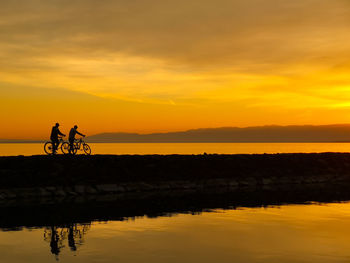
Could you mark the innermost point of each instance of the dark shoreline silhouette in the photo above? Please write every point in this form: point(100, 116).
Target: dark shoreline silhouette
point(38, 191)
point(205, 170)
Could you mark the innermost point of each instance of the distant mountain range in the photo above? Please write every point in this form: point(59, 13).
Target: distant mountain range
point(272, 133)
point(306, 133)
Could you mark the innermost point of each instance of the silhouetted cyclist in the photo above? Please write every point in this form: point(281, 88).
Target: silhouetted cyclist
point(54, 137)
point(71, 138)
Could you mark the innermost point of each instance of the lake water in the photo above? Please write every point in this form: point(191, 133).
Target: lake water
point(287, 233)
point(184, 148)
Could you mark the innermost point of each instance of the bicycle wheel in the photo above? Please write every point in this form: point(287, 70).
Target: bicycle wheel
point(48, 148)
point(86, 148)
point(65, 148)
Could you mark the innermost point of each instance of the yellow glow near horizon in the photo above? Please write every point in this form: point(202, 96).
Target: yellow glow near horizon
point(157, 66)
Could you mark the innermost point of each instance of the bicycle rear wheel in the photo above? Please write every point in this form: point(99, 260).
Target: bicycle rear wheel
point(86, 148)
point(48, 148)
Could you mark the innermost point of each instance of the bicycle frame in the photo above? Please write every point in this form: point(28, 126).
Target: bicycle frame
point(78, 143)
point(60, 141)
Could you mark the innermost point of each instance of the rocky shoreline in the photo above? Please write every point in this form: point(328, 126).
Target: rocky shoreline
point(68, 176)
point(40, 191)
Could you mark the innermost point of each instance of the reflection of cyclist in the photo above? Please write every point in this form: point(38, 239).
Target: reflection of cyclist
point(55, 249)
point(54, 137)
point(71, 241)
point(72, 134)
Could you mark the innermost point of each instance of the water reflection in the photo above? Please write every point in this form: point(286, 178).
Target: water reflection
point(287, 233)
point(72, 227)
point(73, 235)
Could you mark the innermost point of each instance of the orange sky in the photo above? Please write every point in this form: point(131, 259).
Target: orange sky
point(158, 65)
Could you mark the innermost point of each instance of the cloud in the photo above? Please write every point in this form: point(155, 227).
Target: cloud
point(196, 63)
point(244, 34)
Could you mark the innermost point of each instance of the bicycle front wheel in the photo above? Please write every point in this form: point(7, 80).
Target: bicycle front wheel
point(65, 148)
point(48, 148)
point(87, 149)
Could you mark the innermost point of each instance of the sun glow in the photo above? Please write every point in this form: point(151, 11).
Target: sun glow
point(133, 69)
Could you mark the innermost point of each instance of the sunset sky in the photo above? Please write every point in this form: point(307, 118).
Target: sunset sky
point(158, 65)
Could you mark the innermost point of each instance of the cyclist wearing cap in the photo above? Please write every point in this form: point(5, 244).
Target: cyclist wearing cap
point(54, 137)
point(71, 138)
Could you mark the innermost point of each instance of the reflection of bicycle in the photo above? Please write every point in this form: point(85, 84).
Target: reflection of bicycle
point(48, 146)
point(77, 145)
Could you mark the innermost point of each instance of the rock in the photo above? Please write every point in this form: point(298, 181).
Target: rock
point(163, 186)
point(107, 188)
point(25, 192)
point(145, 187)
point(69, 191)
point(60, 192)
point(80, 189)
point(233, 183)
point(2, 196)
point(79, 199)
point(90, 190)
point(50, 189)
point(43, 192)
point(285, 180)
point(10, 194)
point(59, 199)
point(248, 182)
point(175, 184)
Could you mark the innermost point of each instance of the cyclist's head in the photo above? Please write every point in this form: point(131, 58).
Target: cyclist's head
point(75, 127)
point(57, 124)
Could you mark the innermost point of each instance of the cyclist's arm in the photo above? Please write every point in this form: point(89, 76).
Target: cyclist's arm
point(60, 133)
point(80, 134)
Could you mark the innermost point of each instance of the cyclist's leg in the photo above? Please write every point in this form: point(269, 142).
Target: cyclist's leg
point(71, 146)
point(55, 144)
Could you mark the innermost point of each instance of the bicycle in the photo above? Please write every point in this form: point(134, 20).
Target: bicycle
point(48, 146)
point(78, 144)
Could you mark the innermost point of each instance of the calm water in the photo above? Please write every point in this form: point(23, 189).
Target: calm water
point(185, 148)
point(290, 233)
